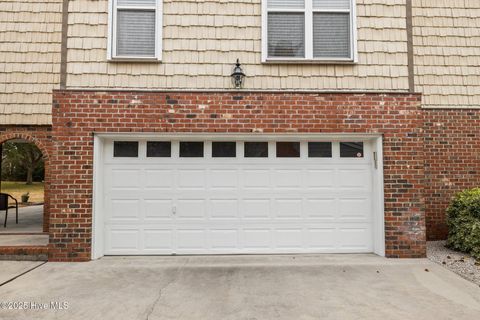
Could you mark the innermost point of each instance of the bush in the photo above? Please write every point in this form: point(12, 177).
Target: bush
point(463, 219)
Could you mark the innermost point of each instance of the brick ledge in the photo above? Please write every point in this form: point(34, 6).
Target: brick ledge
point(16, 253)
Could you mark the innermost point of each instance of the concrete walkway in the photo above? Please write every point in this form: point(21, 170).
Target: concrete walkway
point(244, 287)
point(30, 219)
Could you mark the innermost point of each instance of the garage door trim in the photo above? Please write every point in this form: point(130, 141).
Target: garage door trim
point(378, 196)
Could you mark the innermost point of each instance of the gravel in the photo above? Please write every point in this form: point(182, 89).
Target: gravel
point(458, 262)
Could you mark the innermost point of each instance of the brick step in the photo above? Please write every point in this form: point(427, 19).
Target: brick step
point(24, 253)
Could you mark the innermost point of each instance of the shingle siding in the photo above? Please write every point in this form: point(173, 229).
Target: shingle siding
point(30, 36)
point(447, 52)
point(203, 39)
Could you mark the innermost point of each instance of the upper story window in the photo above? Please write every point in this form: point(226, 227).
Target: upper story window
point(135, 29)
point(308, 30)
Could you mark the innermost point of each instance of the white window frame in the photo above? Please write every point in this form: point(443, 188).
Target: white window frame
point(112, 31)
point(308, 11)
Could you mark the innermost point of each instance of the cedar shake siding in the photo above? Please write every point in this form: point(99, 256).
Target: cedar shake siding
point(30, 40)
point(447, 53)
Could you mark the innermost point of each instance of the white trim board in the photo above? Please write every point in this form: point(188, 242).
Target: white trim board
point(240, 136)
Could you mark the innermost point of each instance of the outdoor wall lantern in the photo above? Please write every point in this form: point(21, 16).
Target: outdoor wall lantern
point(238, 76)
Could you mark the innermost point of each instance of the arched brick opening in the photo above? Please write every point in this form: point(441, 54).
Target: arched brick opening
point(46, 157)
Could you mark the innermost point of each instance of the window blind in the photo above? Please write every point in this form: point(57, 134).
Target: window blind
point(137, 3)
point(331, 35)
point(286, 4)
point(136, 33)
point(286, 34)
point(331, 4)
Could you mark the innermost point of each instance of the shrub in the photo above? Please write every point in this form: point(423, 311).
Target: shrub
point(463, 219)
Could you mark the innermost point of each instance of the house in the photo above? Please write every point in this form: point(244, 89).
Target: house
point(356, 122)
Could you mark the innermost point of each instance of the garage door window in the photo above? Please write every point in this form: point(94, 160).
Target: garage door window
point(256, 149)
point(288, 149)
point(159, 149)
point(224, 149)
point(191, 149)
point(319, 149)
point(125, 149)
point(351, 149)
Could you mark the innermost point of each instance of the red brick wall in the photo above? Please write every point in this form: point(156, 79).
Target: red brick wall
point(41, 136)
point(16, 253)
point(452, 162)
point(77, 114)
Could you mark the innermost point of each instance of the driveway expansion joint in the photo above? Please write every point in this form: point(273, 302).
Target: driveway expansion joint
point(178, 270)
point(23, 273)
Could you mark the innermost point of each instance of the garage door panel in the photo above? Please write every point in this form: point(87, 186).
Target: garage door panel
point(270, 194)
point(354, 208)
point(289, 238)
point(354, 178)
point(287, 178)
point(125, 209)
point(121, 240)
point(163, 179)
point(223, 179)
point(355, 238)
point(224, 239)
point(255, 208)
point(224, 208)
point(256, 178)
point(126, 193)
point(288, 208)
point(190, 209)
point(324, 178)
point(191, 179)
point(190, 240)
point(158, 240)
point(321, 208)
point(256, 239)
point(321, 237)
point(158, 209)
point(125, 178)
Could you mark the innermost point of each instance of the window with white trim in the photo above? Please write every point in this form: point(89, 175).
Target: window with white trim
point(135, 29)
point(316, 30)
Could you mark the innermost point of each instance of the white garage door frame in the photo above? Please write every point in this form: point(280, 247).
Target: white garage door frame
point(377, 188)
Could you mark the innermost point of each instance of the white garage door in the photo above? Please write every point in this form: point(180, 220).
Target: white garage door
point(233, 197)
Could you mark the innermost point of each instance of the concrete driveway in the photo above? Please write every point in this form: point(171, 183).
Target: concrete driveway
point(242, 287)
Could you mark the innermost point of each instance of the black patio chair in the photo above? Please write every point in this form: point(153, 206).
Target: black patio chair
point(4, 205)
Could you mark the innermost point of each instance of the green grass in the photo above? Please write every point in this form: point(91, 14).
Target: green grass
point(16, 189)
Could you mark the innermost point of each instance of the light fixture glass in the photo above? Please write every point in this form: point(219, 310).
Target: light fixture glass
point(238, 76)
